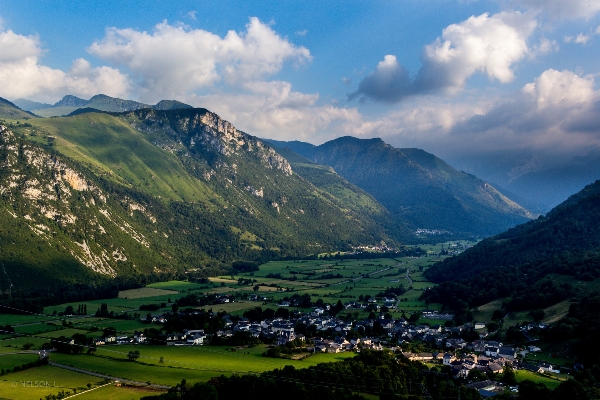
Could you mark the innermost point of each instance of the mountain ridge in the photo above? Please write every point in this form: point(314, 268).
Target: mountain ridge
point(101, 102)
point(416, 185)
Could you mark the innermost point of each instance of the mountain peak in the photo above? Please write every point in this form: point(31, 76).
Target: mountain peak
point(71, 101)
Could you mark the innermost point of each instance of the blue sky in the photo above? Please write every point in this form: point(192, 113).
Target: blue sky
point(465, 80)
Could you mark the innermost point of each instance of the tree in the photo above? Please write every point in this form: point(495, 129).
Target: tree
point(133, 355)
point(537, 315)
point(509, 377)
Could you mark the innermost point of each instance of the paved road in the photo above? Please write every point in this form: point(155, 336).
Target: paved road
point(127, 381)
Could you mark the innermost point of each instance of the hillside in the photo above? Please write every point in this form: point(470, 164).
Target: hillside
point(11, 111)
point(417, 186)
point(533, 265)
point(150, 191)
point(101, 102)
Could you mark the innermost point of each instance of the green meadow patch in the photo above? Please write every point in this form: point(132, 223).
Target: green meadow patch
point(144, 292)
point(39, 382)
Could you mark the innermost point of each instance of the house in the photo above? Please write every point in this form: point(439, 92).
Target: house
point(138, 337)
point(479, 325)
point(123, 340)
point(99, 342)
point(448, 358)
point(423, 357)
point(491, 351)
point(528, 367)
point(507, 352)
point(110, 339)
point(196, 339)
point(495, 367)
point(547, 368)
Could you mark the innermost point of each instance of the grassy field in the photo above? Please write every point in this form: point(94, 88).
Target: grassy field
point(113, 392)
point(550, 382)
point(195, 364)
point(9, 361)
point(145, 292)
point(36, 383)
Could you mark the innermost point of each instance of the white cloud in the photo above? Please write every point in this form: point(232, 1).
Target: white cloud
point(192, 15)
point(544, 47)
point(21, 74)
point(562, 9)
point(302, 32)
point(389, 82)
point(490, 45)
point(560, 88)
point(482, 44)
point(175, 60)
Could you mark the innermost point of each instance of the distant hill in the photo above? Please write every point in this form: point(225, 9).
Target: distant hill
point(551, 187)
point(11, 111)
point(417, 186)
point(533, 265)
point(101, 102)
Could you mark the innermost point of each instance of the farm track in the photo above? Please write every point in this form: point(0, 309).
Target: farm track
point(113, 378)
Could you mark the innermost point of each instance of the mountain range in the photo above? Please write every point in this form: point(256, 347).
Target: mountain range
point(417, 186)
point(168, 187)
point(100, 102)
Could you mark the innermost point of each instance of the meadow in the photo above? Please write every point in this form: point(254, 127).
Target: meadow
point(329, 280)
point(197, 363)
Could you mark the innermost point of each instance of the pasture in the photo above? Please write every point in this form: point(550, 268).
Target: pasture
point(39, 382)
point(145, 292)
point(195, 363)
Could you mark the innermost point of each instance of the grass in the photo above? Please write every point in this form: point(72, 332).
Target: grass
point(107, 150)
point(144, 292)
point(117, 393)
point(16, 344)
point(9, 361)
point(551, 383)
point(195, 364)
point(13, 319)
point(179, 286)
point(50, 380)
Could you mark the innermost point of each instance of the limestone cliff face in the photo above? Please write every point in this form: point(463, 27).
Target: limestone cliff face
point(202, 130)
point(54, 199)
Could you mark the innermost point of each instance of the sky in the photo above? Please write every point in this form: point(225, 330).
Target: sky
point(472, 81)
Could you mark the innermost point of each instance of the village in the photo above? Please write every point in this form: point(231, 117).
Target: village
point(477, 361)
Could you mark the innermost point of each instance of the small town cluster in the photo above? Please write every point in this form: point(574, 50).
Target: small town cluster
point(322, 332)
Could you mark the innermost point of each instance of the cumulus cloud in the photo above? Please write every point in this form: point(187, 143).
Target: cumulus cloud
point(389, 82)
point(22, 75)
point(553, 115)
point(176, 60)
point(486, 44)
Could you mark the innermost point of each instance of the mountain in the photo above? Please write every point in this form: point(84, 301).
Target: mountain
point(11, 111)
point(417, 186)
point(550, 187)
point(539, 182)
point(533, 265)
point(148, 191)
point(29, 105)
point(100, 102)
